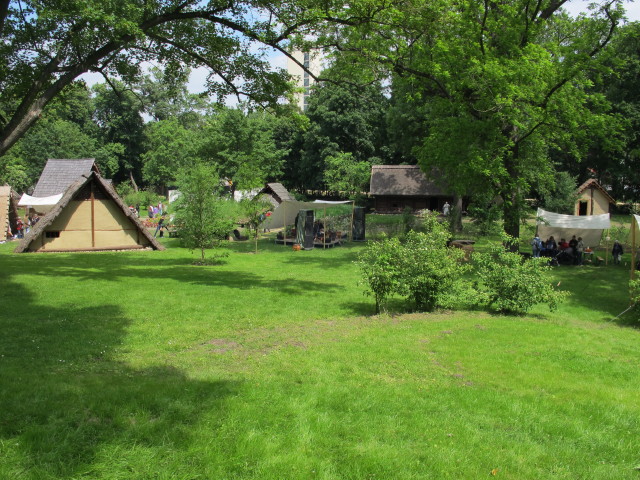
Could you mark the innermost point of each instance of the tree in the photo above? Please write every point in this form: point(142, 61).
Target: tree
point(344, 174)
point(169, 148)
point(47, 45)
point(501, 82)
point(118, 112)
point(243, 147)
point(254, 212)
point(343, 119)
point(199, 214)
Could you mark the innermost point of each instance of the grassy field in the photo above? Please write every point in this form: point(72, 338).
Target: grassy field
point(138, 365)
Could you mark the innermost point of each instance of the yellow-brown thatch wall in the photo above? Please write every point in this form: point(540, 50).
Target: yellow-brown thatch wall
point(600, 202)
point(4, 216)
point(112, 228)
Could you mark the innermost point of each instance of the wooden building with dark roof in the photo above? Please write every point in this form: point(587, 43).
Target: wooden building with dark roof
point(276, 193)
point(593, 199)
point(396, 187)
point(90, 216)
point(60, 173)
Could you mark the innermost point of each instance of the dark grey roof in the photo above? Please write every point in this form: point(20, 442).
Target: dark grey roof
point(402, 180)
point(276, 193)
point(60, 173)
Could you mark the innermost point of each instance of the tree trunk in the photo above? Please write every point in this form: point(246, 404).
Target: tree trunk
point(133, 182)
point(456, 214)
point(511, 212)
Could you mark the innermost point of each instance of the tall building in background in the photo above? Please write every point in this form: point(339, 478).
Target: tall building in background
point(312, 61)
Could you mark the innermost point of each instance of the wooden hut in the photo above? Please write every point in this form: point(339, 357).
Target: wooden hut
point(90, 216)
point(593, 199)
point(8, 212)
point(276, 194)
point(396, 187)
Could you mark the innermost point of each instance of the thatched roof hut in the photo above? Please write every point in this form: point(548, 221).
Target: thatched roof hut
point(276, 194)
point(90, 216)
point(395, 187)
point(60, 173)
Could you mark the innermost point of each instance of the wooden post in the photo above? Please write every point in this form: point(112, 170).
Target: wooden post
point(93, 218)
point(634, 225)
point(353, 213)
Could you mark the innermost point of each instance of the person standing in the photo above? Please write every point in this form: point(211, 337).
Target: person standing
point(536, 246)
point(445, 209)
point(617, 252)
point(160, 226)
point(579, 251)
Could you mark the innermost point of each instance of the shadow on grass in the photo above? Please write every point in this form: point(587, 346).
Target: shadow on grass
point(114, 266)
point(600, 289)
point(66, 402)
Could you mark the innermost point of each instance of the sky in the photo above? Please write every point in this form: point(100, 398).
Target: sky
point(198, 77)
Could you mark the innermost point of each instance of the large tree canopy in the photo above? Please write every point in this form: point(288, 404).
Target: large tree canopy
point(48, 44)
point(501, 82)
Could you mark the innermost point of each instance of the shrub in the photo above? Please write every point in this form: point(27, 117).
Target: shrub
point(430, 269)
point(381, 269)
point(422, 268)
point(510, 283)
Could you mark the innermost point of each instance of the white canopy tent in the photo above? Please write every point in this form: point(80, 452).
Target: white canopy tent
point(589, 227)
point(41, 204)
point(286, 213)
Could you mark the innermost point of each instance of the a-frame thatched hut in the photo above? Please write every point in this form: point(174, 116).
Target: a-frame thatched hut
point(593, 199)
point(8, 211)
point(276, 194)
point(90, 216)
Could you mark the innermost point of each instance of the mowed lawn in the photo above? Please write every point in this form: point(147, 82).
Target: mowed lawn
point(138, 365)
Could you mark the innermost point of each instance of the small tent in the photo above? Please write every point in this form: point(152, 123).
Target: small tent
point(90, 216)
point(559, 226)
point(286, 213)
point(8, 212)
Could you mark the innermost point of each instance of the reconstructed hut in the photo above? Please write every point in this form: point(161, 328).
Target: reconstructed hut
point(396, 187)
point(593, 199)
point(8, 212)
point(60, 173)
point(276, 194)
point(90, 216)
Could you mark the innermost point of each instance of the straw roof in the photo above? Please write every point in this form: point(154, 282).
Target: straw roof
point(68, 196)
point(402, 180)
point(593, 183)
point(60, 173)
point(276, 193)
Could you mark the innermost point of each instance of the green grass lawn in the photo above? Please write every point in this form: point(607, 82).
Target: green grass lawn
point(138, 365)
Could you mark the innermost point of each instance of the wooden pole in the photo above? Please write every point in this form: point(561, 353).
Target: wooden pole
point(93, 218)
point(353, 213)
point(634, 225)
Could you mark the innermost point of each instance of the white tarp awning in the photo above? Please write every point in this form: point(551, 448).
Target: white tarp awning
point(43, 203)
point(286, 213)
point(589, 227)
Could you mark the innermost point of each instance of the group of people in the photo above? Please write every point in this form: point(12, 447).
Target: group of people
point(571, 251)
point(23, 227)
point(156, 210)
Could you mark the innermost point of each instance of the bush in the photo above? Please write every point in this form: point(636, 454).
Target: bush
point(421, 268)
point(510, 283)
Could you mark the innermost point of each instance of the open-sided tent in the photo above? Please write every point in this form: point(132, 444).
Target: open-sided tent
point(286, 213)
point(8, 211)
point(90, 216)
point(590, 227)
